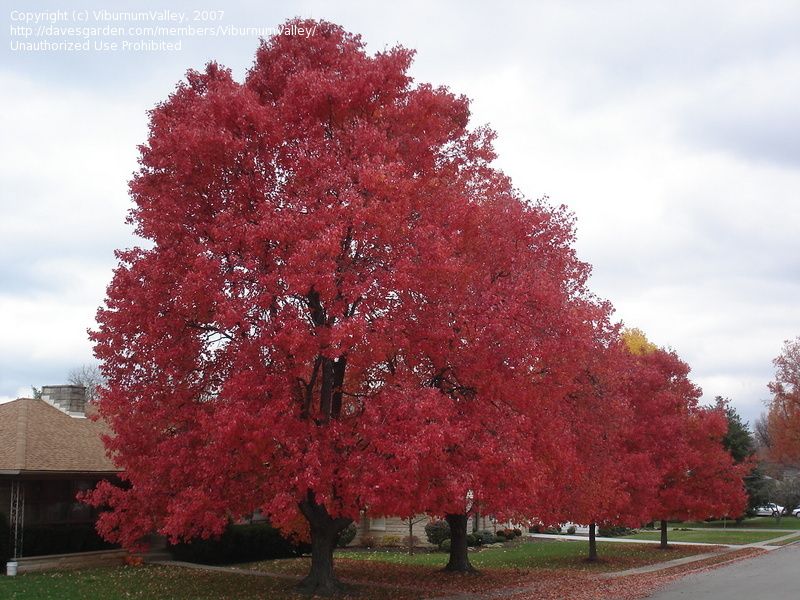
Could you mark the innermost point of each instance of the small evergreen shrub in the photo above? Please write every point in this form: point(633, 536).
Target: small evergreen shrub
point(437, 532)
point(445, 545)
point(553, 530)
point(571, 530)
point(614, 531)
point(347, 535)
point(486, 537)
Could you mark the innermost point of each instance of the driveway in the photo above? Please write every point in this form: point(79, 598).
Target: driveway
point(772, 576)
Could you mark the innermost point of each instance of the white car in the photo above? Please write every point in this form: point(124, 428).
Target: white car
point(796, 513)
point(769, 510)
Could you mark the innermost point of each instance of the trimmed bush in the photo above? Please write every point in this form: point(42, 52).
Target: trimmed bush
point(553, 530)
point(437, 532)
point(39, 540)
point(445, 545)
point(571, 530)
point(369, 541)
point(473, 539)
point(239, 543)
point(517, 531)
point(392, 540)
point(614, 531)
point(486, 537)
point(347, 535)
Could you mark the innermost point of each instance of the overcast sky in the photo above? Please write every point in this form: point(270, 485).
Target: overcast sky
point(671, 129)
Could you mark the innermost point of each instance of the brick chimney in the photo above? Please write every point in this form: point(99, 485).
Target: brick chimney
point(70, 399)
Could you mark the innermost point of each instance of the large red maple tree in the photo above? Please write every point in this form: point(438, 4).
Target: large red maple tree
point(646, 448)
point(696, 476)
point(520, 326)
point(301, 331)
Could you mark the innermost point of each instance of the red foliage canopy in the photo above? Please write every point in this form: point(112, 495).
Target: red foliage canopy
point(646, 449)
point(341, 299)
point(783, 418)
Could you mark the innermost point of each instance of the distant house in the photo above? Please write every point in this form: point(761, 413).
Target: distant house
point(50, 451)
point(394, 530)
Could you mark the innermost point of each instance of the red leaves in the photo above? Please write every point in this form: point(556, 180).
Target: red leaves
point(343, 296)
point(783, 419)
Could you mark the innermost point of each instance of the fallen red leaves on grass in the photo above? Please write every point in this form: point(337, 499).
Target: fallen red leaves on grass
point(569, 583)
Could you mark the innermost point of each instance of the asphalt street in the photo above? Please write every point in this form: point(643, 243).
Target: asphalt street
point(772, 576)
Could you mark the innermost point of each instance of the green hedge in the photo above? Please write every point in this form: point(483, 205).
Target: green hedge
point(38, 540)
point(239, 543)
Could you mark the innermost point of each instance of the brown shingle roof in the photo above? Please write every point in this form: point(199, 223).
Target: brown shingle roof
point(35, 436)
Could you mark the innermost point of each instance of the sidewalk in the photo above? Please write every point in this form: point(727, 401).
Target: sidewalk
point(765, 544)
point(583, 538)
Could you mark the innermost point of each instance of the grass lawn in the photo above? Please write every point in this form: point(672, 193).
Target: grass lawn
point(754, 523)
point(556, 569)
point(160, 583)
point(791, 540)
point(708, 537)
point(542, 554)
point(522, 555)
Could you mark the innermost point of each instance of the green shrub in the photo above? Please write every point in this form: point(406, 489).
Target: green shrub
point(39, 540)
point(445, 545)
point(239, 543)
point(485, 537)
point(553, 530)
point(571, 530)
point(614, 531)
point(474, 539)
point(346, 536)
point(437, 532)
point(392, 540)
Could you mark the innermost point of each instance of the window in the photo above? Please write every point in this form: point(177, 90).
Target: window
point(377, 524)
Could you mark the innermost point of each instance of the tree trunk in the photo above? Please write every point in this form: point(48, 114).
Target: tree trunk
point(663, 534)
point(411, 535)
point(325, 532)
point(592, 543)
point(459, 561)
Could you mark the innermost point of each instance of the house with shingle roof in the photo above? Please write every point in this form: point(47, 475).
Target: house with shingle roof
point(50, 450)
